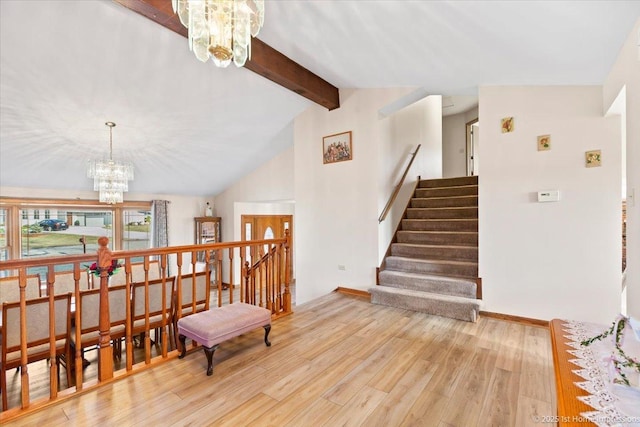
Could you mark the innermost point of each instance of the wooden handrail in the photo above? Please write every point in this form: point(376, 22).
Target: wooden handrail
point(268, 287)
point(396, 190)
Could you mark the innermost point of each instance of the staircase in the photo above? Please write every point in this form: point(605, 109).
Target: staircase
point(433, 263)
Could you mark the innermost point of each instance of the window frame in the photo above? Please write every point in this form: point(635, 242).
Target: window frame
point(14, 205)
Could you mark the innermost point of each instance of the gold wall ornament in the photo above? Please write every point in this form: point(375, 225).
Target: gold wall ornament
point(593, 158)
point(544, 142)
point(507, 124)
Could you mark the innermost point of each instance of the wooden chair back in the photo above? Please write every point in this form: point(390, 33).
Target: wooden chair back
point(65, 283)
point(198, 284)
point(138, 273)
point(37, 325)
point(157, 288)
point(10, 288)
point(87, 309)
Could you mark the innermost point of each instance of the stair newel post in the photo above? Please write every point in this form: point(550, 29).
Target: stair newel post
point(105, 362)
point(287, 270)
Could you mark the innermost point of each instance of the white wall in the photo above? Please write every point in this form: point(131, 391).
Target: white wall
point(272, 182)
point(626, 72)
point(337, 205)
point(549, 260)
point(419, 123)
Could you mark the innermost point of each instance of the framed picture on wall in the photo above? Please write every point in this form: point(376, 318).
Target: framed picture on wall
point(337, 148)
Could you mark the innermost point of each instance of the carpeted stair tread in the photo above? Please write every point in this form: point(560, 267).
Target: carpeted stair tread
point(447, 252)
point(458, 190)
point(448, 182)
point(464, 212)
point(444, 202)
point(435, 224)
point(433, 266)
point(435, 237)
point(441, 305)
point(463, 287)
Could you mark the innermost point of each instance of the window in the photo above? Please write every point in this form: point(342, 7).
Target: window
point(136, 229)
point(71, 228)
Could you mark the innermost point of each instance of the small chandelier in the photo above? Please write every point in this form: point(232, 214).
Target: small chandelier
point(110, 178)
point(221, 29)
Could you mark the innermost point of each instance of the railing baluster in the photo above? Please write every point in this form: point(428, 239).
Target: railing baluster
point(53, 366)
point(262, 276)
point(24, 372)
point(230, 275)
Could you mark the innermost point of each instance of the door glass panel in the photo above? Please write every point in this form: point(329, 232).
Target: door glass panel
point(268, 235)
point(247, 236)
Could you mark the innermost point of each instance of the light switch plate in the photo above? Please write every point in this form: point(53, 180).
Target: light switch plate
point(548, 196)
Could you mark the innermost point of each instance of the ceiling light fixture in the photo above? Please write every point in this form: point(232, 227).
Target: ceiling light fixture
point(110, 178)
point(221, 29)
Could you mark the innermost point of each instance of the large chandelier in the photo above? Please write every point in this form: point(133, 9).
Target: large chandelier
point(221, 29)
point(110, 178)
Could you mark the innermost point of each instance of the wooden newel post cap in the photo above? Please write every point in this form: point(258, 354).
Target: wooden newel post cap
point(104, 254)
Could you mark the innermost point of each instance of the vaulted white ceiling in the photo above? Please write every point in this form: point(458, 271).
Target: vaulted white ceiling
point(67, 67)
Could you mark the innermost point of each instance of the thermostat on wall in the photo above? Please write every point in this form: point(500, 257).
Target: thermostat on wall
point(548, 196)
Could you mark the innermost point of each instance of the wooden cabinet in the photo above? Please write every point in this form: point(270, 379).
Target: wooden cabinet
point(207, 230)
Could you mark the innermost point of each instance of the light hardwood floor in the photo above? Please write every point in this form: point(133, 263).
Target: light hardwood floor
point(339, 361)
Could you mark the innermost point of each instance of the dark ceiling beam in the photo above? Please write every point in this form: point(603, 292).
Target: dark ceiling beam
point(265, 60)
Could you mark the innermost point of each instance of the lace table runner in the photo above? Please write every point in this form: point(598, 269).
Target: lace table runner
point(614, 405)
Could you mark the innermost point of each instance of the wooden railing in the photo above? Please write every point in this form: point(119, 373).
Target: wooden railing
point(263, 283)
point(397, 188)
point(271, 270)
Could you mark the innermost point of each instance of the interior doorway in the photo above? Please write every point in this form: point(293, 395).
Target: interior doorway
point(619, 108)
point(473, 133)
point(263, 227)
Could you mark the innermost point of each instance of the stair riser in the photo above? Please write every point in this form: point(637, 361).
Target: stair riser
point(449, 182)
point(444, 225)
point(420, 213)
point(426, 252)
point(408, 266)
point(470, 190)
point(447, 202)
point(458, 311)
point(429, 238)
point(448, 287)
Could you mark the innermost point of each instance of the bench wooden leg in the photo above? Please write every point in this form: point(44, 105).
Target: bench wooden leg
point(209, 352)
point(183, 345)
point(267, 329)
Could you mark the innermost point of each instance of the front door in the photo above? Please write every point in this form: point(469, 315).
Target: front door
point(263, 227)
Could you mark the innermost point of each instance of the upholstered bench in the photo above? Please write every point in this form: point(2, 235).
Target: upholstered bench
point(210, 328)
